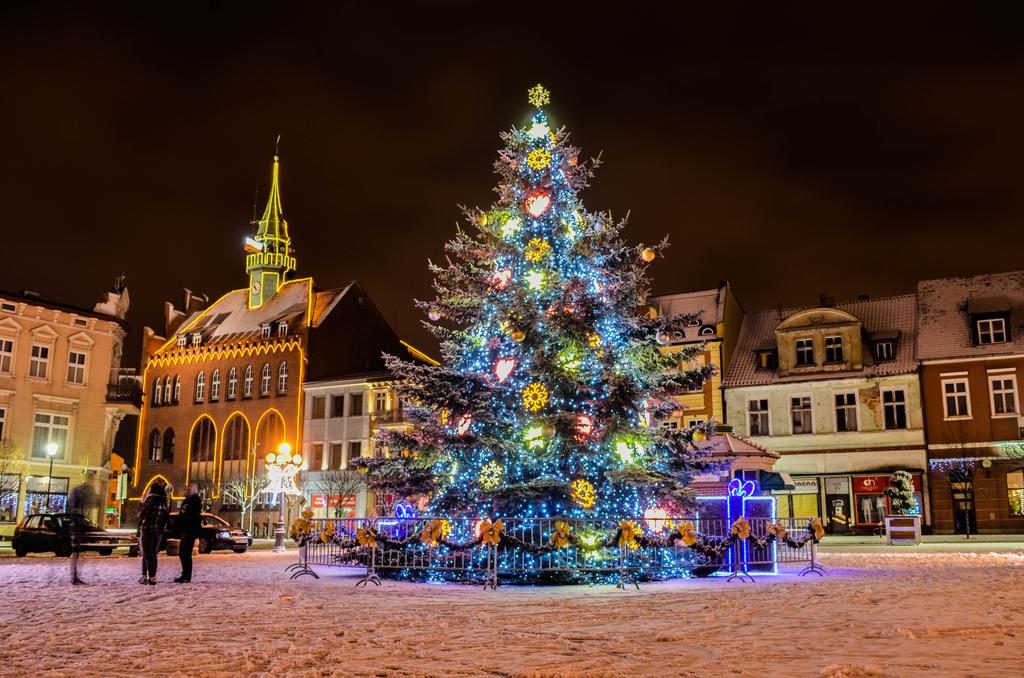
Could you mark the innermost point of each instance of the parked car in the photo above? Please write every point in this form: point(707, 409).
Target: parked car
point(215, 533)
point(41, 532)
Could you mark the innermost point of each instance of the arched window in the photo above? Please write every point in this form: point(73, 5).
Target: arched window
point(169, 445)
point(157, 391)
point(200, 386)
point(177, 390)
point(236, 439)
point(265, 380)
point(167, 390)
point(247, 383)
point(232, 383)
point(215, 385)
point(282, 377)
point(155, 452)
point(203, 441)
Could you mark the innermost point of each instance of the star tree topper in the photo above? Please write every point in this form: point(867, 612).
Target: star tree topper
point(538, 96)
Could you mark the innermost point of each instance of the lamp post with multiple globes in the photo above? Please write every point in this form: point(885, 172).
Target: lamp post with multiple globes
point(282, 467)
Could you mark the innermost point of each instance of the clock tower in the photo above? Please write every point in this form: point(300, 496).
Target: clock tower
point(269, 257)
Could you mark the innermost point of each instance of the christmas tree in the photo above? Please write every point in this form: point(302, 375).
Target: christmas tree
point(552, 387)
point(901, 494)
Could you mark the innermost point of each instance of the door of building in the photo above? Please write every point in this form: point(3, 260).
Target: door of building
point(964, 521)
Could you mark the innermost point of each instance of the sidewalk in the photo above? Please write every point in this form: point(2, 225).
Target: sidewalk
point(940, 543)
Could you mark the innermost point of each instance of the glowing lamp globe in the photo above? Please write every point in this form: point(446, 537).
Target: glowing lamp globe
point(271, 458)
point(284, 449)
point(297, 459)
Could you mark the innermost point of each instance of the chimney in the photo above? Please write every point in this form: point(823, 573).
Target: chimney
point(826, 300)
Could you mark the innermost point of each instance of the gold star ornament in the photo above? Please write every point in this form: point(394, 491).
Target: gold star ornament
point(538, 96)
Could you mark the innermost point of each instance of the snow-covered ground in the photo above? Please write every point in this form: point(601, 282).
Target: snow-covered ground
point(936, 614)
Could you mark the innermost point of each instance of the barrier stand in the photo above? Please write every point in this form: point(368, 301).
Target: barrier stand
point(302, 567)
point(371, 569)
point(491, 580)
point(814, 566)
point(737, 566)
point(623, 579)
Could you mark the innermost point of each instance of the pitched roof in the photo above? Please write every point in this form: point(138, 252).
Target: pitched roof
point(708, 305)
point(730, 445)
point(944, 305)
point(882, 315)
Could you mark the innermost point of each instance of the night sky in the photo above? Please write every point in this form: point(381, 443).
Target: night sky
point(789, 151)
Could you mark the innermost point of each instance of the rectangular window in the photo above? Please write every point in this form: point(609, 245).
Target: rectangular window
point(884, 350)
point(76, 367)
point(355, 404)
point(9, 308)
point(265, 331)
point(197, 339)
point(381, 402)
point(804, 352)
point(833, 349)
point(894, 406)
point(1004, 394)
point(282, 329)
point(767, 360)
point(800, 411)
point(846, 412)
point(318, 407)
point(338, 405)
point(3, 418)
point(1015, 491)
point(39, 365)
point(182, 340)
point(338, 456)
point(50, 428)
point(758, 417)
point(992, 331)
point(6, 356)
point(10, 485)
point(355, 450)
point(957, 398)
point(316, 457)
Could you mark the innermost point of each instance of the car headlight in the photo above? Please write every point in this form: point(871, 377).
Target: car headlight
point(224, 535)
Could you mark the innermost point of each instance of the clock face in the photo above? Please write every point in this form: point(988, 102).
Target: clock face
point(256, 287)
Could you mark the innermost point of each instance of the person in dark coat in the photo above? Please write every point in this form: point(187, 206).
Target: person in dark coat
point(189, 520)
point(152, 522)
point(82, 501)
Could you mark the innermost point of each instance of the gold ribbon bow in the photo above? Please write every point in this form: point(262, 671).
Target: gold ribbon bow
point(434, 531)
point(741, 528)
point(326, 534)
point(300, 528)
point(778, 530)
point(307, 514)
point(560, 537)
point(817, 528)
point(628, 533)
point(490, 532)
point(688, 533)
point(366, 537)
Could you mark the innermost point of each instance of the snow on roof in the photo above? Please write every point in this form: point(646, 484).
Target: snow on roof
point(884, 315)
point(945, 305)
point(708, 305)
point(230, 318)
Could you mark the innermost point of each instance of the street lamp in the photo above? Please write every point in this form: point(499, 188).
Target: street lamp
point(282, 467)
point(51, 451)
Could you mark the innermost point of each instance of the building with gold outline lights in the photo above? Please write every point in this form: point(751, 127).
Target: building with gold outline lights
point(224, 384)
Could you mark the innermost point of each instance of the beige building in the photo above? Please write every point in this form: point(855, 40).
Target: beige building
point(62, 398)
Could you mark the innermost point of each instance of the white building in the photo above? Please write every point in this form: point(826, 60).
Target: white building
point(835, 391)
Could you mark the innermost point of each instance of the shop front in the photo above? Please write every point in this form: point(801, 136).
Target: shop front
point(333, 505)
point(848, 503)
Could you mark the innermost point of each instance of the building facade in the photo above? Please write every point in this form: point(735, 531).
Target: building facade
point(718, 317)
point(62, 399)
point(971, 347)
point(224, 384)
point(834, 390)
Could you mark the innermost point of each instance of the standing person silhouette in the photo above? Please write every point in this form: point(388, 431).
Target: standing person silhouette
point(189, 520)
point(152, 522)
point(82, 500)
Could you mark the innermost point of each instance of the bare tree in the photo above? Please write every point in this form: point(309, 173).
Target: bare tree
point(11, 465)
point(243, 493)
point(340, 483)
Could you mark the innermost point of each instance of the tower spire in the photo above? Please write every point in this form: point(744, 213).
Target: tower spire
point(268, 259)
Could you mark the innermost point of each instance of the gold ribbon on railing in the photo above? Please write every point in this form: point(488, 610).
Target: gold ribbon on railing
point(560, 537)
point(741, 528)
point(434, 531)
point(628, 533)
point(490, 533)
point(778, 530)
point(817, 528)
point(688, 533)
point(366, 537)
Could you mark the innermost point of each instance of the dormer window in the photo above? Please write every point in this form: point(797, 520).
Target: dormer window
point(182, 341)
point(265, 331)
point(833, 349)
point(804, 352)
point(282, 329)
point(197, 339)
point(767, 360)
point(992, 331)
point(884, 350)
